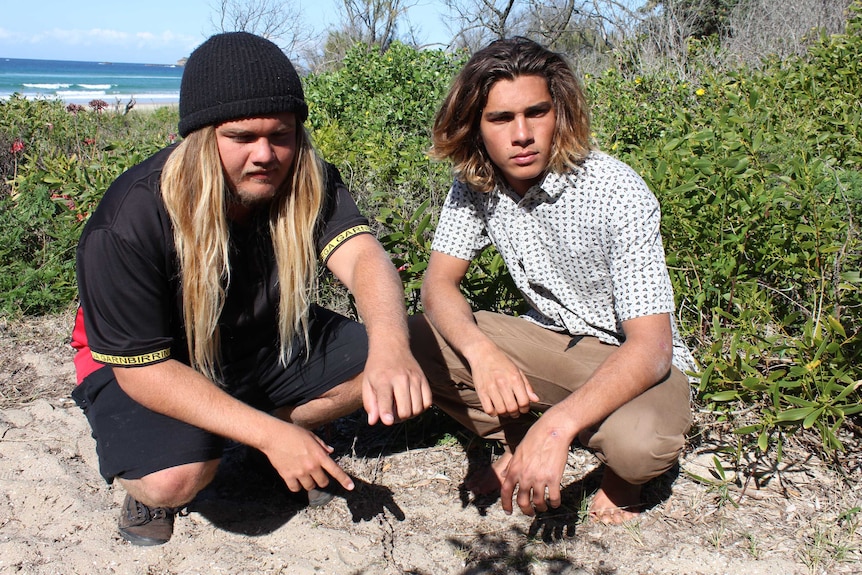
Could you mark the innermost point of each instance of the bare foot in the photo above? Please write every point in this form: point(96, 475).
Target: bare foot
point(489, 479)
point(616, 501)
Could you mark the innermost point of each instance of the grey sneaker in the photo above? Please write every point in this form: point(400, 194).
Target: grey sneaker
point(142, 525)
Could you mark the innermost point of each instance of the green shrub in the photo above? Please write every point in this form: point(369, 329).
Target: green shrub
point(65, 160)
point(372, 117)
point(759, 174)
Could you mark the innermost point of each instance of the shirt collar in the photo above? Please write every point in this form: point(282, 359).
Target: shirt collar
point(553, 185)
point(549, 189)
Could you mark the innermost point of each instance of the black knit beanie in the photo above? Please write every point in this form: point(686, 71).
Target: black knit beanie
point(237, 75)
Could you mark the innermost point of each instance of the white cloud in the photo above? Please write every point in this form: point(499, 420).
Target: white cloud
point(96, 43)
point(75, 37)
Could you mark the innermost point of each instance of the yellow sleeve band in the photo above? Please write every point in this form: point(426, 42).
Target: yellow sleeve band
point(142, 359)
point(341, 238)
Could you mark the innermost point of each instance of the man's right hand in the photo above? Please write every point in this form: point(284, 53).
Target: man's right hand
point(302, 459)
point(176, 390)
point(503, 388)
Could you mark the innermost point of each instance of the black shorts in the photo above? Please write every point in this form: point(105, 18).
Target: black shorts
point(132, 441)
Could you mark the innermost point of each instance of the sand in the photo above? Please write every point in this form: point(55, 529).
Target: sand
point(409, 513)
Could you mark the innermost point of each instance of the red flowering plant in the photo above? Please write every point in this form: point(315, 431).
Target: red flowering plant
point(69, 203)
point(98, 105)
point(15, 150)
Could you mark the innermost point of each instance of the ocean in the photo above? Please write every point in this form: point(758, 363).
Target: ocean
point(80, 82)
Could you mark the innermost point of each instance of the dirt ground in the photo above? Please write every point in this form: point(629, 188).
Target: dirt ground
point(409, 513)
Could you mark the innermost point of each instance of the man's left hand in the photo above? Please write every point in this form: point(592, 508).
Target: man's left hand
point(537, 465)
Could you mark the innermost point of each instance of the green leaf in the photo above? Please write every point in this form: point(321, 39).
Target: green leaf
point(836, 326)
point(420, 229)
point(796, 414)
point(812, 417)
point(672, 144)
point(763, 442)
point(753, 384)
point(728, 395)
point(719, 468)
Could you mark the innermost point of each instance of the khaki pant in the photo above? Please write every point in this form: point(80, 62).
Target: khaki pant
point(639, 441)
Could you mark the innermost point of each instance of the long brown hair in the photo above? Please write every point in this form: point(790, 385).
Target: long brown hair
point(196, 197)
point(456, 126)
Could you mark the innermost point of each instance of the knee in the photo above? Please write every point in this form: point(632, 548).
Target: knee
point(640, 454)
point(638, 463)
point(428, 349)
point(174, 486)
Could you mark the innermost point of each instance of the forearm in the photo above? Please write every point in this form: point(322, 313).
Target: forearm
point(638, 364)
point(393, 385)
point(176, 390)
point(379, 297)
point(450, 313)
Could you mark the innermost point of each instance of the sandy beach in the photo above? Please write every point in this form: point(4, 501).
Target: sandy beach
point(119, 106)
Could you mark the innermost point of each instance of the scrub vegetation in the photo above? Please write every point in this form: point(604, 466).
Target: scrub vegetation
point(758, 169)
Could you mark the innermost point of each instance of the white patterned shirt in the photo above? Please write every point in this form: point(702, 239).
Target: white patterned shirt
point(583, 247)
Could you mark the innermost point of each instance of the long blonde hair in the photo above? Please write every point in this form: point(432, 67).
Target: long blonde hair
point(197, 197)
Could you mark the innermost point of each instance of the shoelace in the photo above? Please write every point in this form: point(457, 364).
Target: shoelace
point(145, 514)
point(160, 513)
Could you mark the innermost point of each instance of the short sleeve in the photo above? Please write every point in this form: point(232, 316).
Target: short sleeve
point(461, 231)
point(340, 218)
point(641, 283)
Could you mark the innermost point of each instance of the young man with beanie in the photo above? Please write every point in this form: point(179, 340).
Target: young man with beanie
point(197, 275)
point(597, 354)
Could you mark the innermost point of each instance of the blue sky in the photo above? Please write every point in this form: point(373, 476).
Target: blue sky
point(152, 32)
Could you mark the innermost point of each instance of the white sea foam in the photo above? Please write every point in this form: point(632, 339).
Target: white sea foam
point(76, 94)
point(85, 96)
point(47, 86)
point(95, 86)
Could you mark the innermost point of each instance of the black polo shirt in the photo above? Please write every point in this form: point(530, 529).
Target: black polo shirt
point(128, 277)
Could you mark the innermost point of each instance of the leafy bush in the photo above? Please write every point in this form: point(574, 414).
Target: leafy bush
point(372, 117)
point(759, 173)
point(59, 163)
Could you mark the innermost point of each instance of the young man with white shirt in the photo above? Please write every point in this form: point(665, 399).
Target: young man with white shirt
point(598, 354)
